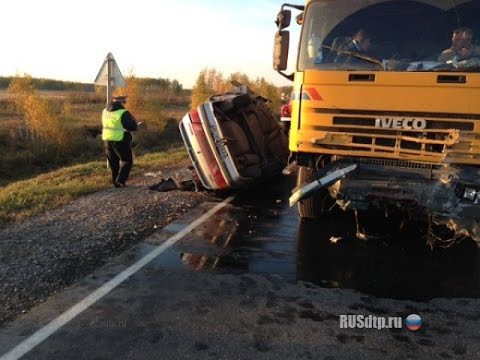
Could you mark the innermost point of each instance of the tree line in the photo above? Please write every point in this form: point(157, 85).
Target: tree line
point(213, 82)
point(150, 84)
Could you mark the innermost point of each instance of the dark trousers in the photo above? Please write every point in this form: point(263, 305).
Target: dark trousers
point(120, 159)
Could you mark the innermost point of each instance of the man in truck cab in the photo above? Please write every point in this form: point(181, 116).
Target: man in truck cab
point(462, 47)
point(360, 43)
point(117, 122)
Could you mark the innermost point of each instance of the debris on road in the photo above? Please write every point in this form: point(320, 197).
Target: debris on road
point(326, 179)
point(184, 181)
point(169, 185)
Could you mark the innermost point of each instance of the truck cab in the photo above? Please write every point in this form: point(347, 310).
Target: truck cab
point(393, 88)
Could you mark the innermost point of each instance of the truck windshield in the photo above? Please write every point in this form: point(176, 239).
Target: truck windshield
point(402, 35)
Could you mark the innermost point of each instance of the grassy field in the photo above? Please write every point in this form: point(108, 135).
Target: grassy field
point(42, 170)
point(79, 115)
point(26, 198)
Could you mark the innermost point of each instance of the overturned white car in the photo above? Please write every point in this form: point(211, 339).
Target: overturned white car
point(234, 140)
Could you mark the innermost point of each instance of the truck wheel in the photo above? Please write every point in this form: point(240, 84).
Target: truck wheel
point(316, 205)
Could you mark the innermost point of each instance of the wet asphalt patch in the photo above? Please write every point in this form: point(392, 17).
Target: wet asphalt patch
point(260, 234)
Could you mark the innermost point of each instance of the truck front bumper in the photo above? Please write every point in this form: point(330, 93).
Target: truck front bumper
point(449, 195)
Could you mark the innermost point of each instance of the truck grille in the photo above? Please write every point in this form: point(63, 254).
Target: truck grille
point(431, 124)
point(434, 139)
point(395, 163)
point(445, 138)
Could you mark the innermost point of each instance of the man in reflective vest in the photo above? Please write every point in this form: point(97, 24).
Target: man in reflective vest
point(117, 122)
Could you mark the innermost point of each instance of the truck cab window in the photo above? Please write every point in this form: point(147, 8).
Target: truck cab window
point(401, 35)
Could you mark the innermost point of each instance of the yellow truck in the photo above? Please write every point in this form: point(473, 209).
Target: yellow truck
point(386, 107)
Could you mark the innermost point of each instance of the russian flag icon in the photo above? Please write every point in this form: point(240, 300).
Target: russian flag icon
point(413, 322)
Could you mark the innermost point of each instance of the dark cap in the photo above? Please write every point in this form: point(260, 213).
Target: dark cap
point(120, 99)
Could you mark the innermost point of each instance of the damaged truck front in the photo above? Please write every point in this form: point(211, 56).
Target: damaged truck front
point(386, 107)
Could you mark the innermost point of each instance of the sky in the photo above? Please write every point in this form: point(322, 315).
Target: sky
point(69, 40)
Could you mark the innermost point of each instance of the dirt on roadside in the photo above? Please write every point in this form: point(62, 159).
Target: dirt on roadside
point(51, 251)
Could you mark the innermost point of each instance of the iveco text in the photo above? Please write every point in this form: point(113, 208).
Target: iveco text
point(401, 123)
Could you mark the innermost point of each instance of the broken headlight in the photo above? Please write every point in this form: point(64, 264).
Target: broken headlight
point(471, 194)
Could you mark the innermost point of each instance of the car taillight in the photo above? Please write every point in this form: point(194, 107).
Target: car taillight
point(286, 110)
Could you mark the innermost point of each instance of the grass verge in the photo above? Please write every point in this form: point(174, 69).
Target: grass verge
point(27, 198)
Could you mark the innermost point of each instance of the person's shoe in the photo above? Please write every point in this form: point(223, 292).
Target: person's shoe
point(122, 184)
point(117, 185)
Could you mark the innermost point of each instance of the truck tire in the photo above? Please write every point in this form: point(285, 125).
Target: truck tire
point(316, 205)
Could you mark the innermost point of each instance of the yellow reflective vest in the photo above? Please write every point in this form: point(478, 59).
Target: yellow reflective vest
point(112, 125)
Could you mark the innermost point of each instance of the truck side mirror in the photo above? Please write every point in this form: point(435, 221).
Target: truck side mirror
point(280, 50)
point(283, 19)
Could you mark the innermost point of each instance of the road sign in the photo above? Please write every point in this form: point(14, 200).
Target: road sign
point(109, 76)
point(116, 75)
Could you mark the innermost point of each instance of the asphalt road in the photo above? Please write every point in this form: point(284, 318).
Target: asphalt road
point(253, 281)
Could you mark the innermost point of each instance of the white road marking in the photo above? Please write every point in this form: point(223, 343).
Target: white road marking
point(44, 333)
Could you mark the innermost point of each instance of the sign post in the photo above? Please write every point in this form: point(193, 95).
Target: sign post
point(109, 76)
point(110, 61)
